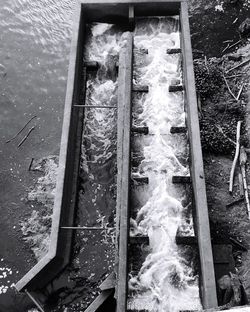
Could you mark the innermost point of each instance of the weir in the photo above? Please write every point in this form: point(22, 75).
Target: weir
point(124, 13)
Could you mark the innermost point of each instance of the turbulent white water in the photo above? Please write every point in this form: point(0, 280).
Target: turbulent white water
point(165, 281)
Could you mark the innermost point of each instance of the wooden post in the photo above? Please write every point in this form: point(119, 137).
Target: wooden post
point(39, 307)
point(208, 291)
point(123, 167)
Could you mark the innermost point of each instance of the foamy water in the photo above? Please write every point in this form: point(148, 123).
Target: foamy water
point(166, 281)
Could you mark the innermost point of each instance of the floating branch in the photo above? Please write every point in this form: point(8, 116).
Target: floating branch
point(21, 129)
point(31, 163)
point(26, 136)
point(236, 156)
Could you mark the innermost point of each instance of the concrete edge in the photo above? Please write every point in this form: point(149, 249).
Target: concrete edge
point(208, 285)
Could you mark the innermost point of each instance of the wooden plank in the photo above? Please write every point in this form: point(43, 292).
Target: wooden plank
point(186, 240)
point(91, 65)
point(139, 240)
point(175, 88)
point(181, 179)
point(174, 130)
point(173, 51)
point(109, 282)
point(139, 180)
point(60, 243)
point(104, 295)
point(131, 17)
point(208, 289)
point(140, 88)
point(141, 130)
point(123, 167)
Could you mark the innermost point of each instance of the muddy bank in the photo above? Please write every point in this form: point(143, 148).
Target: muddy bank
point(222, 105)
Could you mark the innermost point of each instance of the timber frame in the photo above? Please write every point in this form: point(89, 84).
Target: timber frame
point(112, 11)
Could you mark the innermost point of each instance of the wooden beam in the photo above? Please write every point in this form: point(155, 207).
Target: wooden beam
point(186, 240)
point(104, 295)
point(91, 65)
point(140, 180)
point(140, 130)
point(173, 51)
point(208, 287)
point(175, 88)
point(140, 88)
point(109, 282)
point(174, 130)
point(131, 17)
point(181, 179)
point(138, 240)
point(123, 167)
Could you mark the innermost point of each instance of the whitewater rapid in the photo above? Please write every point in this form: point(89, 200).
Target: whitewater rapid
point(165, 282)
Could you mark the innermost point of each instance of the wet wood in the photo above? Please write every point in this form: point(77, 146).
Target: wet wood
point(208, 284)
point(241, 188)
point(140, 130)
point(230, 91)
point(109, 282)
point(236, 156)
point(139, 180)
point(238, 244)
point(139, 240)
point(123, 167)
point(26, 136)
point(131, 17)
point(140, 88)
point(238, 66)
point(21, 129)
point(181, 179)
point(240, 91)
point(186, 240)
point(37, 304)
point(235, 202)
point(104, 295)
point(94, 106)
point(91, 65)
point(175, 88)
point(174, 130)
point(173, 51)
point(243, 160)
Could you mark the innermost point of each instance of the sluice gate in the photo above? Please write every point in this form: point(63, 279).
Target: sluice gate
point(116, 285)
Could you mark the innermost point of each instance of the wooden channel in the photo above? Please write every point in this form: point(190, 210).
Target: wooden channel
point(58, 256)
point(123, 167)
point(208, 285)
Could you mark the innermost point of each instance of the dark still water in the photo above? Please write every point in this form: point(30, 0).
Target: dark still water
point(35, 42)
